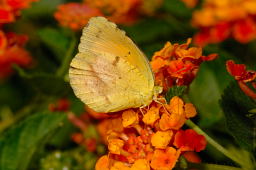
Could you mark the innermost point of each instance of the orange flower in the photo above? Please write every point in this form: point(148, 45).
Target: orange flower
point(175, 117)
point(140, 164)
point(115, 146)
point(173, 121)
point(119, 165)
point(190, 110)
point(12, 52)
point(161, 139)
point(144, 137)
point(10, 9)
point(102, 163)
point(121, 12)
point(164, 159)
point(177, 64)
point(189, 140)
point(109, 125)
point(129, 118)
point(151, 116)
point(214, 34)
point(75, 15)
point(218, 21)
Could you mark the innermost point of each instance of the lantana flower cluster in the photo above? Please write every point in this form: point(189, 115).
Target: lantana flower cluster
point(177, 64)
point(219, 20)
point(12, 45)
point(76, 15)
point(243, 77)
point(149, 138)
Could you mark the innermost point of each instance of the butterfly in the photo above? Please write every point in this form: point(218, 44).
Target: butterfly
point(110, 73)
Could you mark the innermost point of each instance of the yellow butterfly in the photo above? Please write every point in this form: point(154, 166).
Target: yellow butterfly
point(110, 73)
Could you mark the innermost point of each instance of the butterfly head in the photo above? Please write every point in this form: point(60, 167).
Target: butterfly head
point(156, 91)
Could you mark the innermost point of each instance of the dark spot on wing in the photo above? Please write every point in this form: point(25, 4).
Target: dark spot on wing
point(117, 58)
point(129, 53)
point(98, 33)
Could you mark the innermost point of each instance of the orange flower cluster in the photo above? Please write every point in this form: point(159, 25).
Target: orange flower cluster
point(10, 9)
point(177, 64)
point(11, 44)
point(219, 20)
point(239, 72)
point(149, 138)
point(76, 15)
point(12, 52)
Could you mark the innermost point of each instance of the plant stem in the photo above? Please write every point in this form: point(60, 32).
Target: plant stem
point(213, 142)
point(67, 59)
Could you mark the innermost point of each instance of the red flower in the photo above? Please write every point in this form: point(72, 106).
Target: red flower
point(238, 71)
point(61, 105)
point(189, 140)
point(12, 52)
point(245, 30)
point(10, 9)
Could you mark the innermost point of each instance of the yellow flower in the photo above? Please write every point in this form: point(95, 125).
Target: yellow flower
point(161, 139)
point(119, 166)
point(102, 163)
point(115, 146)
point(151, 116)
point(190, 110)
point(129, 118)
point(164, 159)
point(176, 106)
point(140, 164)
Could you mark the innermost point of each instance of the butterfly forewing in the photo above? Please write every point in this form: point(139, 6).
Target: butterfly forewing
point(110, 73)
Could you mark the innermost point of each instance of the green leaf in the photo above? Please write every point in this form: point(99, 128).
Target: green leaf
point(236, 106)
point(208, 86)
point(47, 84)
point(177, 8)
point(42, 8)
point(175, 91)
point(55, 40)
point(212, 167)
point(20, 143)
point(148, 30)
point(246, 158)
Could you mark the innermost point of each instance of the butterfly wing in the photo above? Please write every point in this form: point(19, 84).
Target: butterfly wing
point(101, 74)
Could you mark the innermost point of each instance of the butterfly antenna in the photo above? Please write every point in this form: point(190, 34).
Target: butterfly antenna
point(161, 103)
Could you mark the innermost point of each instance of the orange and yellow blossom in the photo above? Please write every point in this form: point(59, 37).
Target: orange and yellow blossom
point(143, 141)
point(76, 15)
point(177, 64)
point(219, 20)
